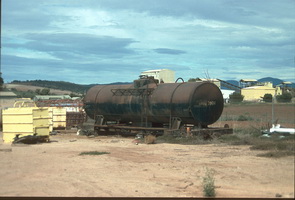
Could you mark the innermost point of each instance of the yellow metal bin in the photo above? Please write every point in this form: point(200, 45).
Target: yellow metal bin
point(58, 118)
point(24, 121)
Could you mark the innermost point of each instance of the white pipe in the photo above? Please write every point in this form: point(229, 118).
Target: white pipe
point(276, 128)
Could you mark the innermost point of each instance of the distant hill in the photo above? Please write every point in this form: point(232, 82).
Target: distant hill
point(274, 81)
point(60, 85)
point(233, 82)
point(81, 89)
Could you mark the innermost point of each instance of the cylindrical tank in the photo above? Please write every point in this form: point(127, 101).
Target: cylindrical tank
point(198, 103)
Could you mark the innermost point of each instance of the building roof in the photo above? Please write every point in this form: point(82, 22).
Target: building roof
point(248, 80)
point(7, 94)
point(48, 97)
point(208, 79)
point(259, 88)
point(286, 82)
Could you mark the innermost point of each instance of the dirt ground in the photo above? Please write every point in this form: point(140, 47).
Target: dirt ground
point(130, 170)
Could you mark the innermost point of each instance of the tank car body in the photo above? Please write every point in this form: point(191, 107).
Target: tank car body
point(197, 103)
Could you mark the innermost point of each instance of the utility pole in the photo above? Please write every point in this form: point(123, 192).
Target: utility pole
point(1, 79)
point(0, 39)
point(274, 98)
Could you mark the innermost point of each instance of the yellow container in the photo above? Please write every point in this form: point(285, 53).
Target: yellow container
point(58, 117)
point(24, 121)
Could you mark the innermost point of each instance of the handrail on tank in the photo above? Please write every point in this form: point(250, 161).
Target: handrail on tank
point(179, 79)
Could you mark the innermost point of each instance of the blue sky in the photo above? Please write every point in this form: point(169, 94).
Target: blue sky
point(104, 41)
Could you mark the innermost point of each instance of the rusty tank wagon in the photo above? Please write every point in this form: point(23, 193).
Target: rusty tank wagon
point(149, 106)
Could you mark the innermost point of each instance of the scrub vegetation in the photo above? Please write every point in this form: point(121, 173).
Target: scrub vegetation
point(208, 183)
point(276, 145)
point(248, 122)
point(93, 153)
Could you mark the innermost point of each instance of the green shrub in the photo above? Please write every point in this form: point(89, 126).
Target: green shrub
point(284, 98)
point(208, 183)
point(244, 118)
point(229, 138)
point(267, 98)
point(236, 98)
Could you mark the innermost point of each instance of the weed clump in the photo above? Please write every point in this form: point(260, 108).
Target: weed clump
point(185, 140)
point(208, 184)
point(150, 139)
point(93, 153)
point(244, 118)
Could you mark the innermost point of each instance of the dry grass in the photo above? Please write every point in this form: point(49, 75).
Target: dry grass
point(275, 146)
point(150, 139)
point(208, 183)
point(93, 153)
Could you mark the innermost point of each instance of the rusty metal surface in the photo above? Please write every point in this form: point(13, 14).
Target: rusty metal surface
point(198, 103)
point(59, 103)
point(130, 127)
point(75, 119)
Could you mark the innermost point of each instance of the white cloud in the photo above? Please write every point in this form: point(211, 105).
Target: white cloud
point(248, 38)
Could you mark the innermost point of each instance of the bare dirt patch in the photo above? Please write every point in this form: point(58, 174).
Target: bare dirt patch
point(129, 170)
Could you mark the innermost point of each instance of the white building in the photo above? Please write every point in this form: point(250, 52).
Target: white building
point(163, 75)
point(215, 81)
point(226, 93)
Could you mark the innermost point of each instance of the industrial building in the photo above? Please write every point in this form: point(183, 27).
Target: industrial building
point(257, 92)
point(226, 94)
point(218, 83)
point(51, 97)
point(251, 89)
point(162, 75)
point(215, 81)
point(7, 99)
point(248, 82)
